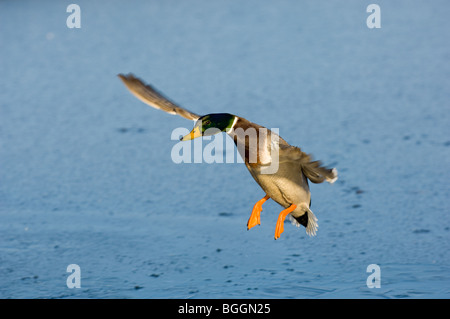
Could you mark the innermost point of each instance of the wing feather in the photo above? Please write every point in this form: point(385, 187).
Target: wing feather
point(313, 170)
point(149, 95)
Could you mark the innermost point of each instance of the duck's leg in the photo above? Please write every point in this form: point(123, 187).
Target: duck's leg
point(280, 222)
point(255, 216)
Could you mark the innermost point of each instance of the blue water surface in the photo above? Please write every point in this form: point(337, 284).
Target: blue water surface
point(86, 175)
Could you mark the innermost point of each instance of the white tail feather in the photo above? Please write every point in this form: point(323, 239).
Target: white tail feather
point(312, 223)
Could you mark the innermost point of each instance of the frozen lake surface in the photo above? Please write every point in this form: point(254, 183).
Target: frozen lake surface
point(86, 175)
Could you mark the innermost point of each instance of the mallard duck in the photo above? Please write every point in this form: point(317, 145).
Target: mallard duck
point(260, 149)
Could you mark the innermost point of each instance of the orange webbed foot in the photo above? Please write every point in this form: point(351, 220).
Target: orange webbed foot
point(280, 222)
point(255, 218)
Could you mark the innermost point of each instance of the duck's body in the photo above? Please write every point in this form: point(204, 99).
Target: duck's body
point(288, 184)
point(281, 170)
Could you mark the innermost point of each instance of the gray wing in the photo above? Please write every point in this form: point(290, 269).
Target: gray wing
point(152, 97)
point(313, 170)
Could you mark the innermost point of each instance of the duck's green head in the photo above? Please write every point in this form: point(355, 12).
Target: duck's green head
point(211, 124)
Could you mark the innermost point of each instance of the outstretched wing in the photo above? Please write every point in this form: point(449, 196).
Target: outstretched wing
point(152, 97)
point(313, 170)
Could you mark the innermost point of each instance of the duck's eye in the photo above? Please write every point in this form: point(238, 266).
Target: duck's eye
point(207, 122)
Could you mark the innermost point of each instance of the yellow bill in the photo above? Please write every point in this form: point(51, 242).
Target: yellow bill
point(193, 134)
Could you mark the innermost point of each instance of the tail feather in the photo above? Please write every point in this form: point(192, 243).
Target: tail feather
point(308, 220)
point(312, 223)
point(313, 170)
